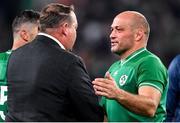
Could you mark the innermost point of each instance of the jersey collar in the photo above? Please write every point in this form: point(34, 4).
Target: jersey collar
point(137, 52)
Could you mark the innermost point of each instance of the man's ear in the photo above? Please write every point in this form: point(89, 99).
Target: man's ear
point(24, 35)
point(139, 34)
point(65, 29)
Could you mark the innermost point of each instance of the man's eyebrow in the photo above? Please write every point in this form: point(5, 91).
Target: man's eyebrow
point(118, 26)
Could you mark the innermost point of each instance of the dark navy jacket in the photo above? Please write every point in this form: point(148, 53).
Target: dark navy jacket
point(173, 96)
point(47, 83)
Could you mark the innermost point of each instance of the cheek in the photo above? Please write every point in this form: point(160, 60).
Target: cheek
point(73, 35)
point(123, 36)
point(124, 41)
point(127, 38)
point(72, 38)
point(32, 36)
point(73, 32)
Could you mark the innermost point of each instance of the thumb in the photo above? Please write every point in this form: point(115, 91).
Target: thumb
point(108, 76)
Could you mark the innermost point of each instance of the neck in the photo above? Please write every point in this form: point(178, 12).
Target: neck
point(18, 44)
point(58, 36)
point(129, 52)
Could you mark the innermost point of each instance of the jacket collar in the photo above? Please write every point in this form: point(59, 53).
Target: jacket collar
point(53, 38)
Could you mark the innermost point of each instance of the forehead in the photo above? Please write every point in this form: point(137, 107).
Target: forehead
point(122, 20)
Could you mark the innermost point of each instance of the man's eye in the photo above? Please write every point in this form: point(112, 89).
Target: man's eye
point(119, 29)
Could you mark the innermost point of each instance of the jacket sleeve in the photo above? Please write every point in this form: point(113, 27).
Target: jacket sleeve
point(82, 94)
point(173, 91)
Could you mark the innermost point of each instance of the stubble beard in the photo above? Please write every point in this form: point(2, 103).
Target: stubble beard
point(119, 51)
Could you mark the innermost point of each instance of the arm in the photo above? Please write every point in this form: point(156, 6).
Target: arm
point(82, 94)
point(145, 103)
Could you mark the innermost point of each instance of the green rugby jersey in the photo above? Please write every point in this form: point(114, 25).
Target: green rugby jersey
point(141, 68)
point(3, 84)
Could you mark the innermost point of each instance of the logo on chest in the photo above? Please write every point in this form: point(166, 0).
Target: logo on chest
point(123, 80)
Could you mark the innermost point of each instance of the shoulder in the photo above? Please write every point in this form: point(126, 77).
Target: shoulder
point(114, 65)
point(151, 59)
point(152, 72)
point(70, 56)
point(5, 55)
point(64, 58)
point(177, 57)
point(151, 65)
point(175, 64)
point(2, 55)
point(176, 60)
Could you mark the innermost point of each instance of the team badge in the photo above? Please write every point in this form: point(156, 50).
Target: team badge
point(123, 80)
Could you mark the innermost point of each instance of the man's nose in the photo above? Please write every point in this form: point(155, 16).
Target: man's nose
point(112, 36)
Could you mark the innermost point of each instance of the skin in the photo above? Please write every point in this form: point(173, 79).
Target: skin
point(125, 36)
point(27, 32)
point(65, 32)
point(128, 34)
point(71, 30)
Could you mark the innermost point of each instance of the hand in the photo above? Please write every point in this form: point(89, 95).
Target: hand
point(106, 87)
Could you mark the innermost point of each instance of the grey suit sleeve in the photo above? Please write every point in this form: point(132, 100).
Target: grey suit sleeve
point(82, 94)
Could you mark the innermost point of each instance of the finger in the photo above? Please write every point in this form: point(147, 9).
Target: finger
point(106, 73)
point(99, 88)
point(101, 84)
point(94, 89)
point(108, 76)
point(99, 93)
point(96, 82)
point(103, 80)
point(100, 79)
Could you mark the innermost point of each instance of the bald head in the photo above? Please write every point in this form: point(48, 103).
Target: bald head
point(129, 32)
point(136, 20)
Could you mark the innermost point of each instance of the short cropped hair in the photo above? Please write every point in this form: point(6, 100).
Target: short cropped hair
point(25, 16)
point(54, 14)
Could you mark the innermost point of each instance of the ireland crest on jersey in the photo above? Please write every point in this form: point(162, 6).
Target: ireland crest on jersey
point(123, 80)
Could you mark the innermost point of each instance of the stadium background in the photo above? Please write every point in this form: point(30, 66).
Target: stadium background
point(95, 18)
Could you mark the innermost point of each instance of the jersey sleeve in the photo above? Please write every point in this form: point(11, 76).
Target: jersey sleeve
point(3, 65)
point(152, 73)
point(3, 84)
point(2, 71)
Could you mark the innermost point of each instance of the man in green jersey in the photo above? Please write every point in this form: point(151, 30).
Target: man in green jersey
point(135, 87)
point(25, 27)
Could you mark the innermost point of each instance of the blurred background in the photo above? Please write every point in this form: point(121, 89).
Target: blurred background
point(95, 18)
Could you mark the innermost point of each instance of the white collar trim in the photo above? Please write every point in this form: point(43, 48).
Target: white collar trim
point(124, 61)
point(53, 38)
